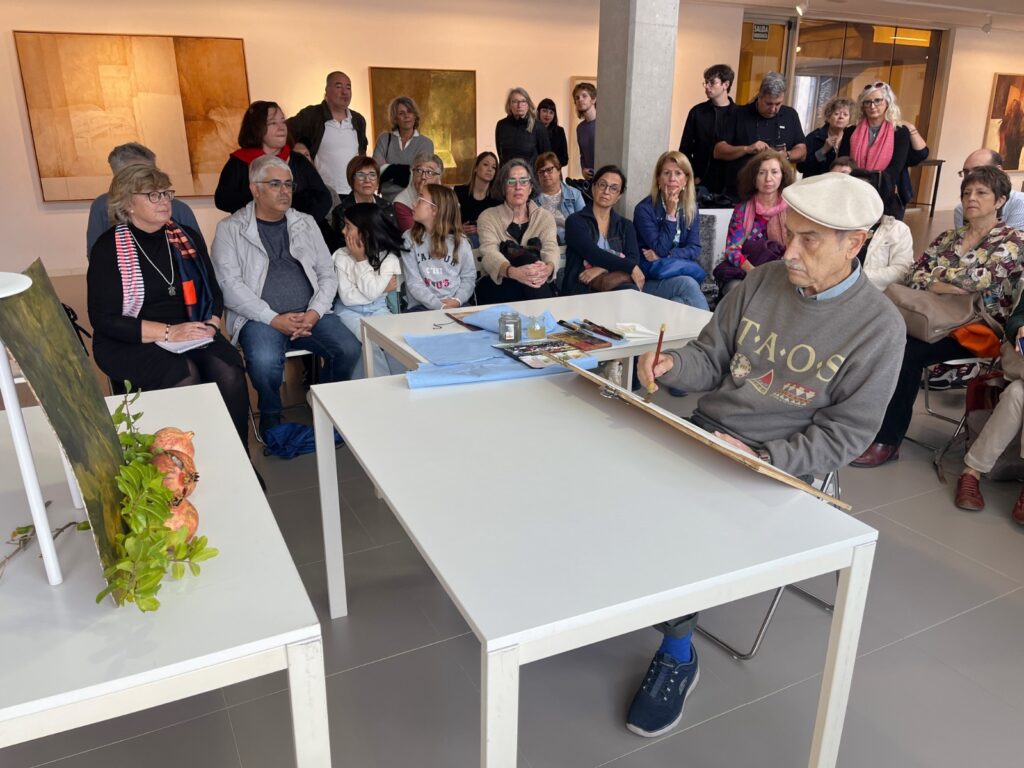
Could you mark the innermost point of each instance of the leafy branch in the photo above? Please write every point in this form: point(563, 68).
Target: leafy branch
point(23, 535)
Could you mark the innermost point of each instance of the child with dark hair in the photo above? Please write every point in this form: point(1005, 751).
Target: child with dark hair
point(368, 270)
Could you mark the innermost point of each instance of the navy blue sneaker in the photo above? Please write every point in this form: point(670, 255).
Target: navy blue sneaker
point(658, 705)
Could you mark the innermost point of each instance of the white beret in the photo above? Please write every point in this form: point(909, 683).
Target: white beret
point(836, 200)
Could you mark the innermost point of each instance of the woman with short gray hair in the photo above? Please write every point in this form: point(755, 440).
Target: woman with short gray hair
point(396, 149)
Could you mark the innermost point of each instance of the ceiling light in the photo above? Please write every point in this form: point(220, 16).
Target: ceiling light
point(987, 26)
point(802, 6)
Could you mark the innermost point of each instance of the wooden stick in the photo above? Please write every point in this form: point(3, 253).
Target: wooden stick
point(651, 386)
point(706, 438)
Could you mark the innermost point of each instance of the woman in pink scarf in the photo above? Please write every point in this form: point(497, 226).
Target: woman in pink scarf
point(759, 220)
point(879, 142)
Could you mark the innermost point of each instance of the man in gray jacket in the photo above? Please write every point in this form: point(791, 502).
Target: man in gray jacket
point(279, 283)
point(798, 364)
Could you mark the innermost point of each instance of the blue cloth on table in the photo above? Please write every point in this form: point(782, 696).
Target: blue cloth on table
point(488, 319)
point(487, 370)
point(455, 348)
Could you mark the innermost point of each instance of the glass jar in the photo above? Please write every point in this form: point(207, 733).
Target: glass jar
point(536, 328)
point(510, 327)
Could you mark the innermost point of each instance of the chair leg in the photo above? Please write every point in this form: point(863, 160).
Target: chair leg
point(735, 652)
point(927, 404)
point(941, 452)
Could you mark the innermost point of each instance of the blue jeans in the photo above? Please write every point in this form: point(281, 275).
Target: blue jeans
point(350, 316)
point(264, 348)
point(681, 289)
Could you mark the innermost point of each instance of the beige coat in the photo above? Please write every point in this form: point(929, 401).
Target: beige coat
point(491, 227)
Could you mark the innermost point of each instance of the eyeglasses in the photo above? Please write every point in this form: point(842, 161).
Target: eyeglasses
point(964, 171)
point(604, 186)
point(518, 102)
point(873, 102)
point(278, 184)
point(524, 182)
point(426, 172)
point(156, 197)
point(365, 175)
point(431, 203)
point(713, 82)
point(874, 86)
point(547, 169)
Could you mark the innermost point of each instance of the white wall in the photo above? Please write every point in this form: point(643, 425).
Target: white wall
point(289, 47)
point(976, 58)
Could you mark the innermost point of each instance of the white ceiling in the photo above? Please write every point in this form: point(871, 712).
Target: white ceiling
point(1007, 15)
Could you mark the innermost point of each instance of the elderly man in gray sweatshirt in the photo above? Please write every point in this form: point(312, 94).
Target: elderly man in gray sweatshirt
point(798, 365)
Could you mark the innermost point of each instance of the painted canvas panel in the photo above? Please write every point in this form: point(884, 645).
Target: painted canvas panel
point(183, 97)
point(1004, 125)
point(569, 122)
point(39, 336)
point(447, 102)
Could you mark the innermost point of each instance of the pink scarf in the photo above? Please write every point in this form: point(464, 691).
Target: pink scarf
point(775, 214)
point(877, 156)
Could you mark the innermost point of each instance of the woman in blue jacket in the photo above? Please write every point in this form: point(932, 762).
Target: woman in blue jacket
point(668, 232)
point(554, 195)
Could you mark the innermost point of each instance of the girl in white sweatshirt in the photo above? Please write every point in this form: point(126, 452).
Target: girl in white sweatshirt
point(368, 269)
point(440, 272)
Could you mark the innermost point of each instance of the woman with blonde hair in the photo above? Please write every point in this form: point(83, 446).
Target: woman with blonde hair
point(520, 134)
point(440, 272)
point(823, 143)
point(879, 142)
point(396, 149)
point(668, 231)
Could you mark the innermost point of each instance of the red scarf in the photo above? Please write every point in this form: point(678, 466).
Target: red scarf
point(248, 154)
point(877, 156)
point(776, 216)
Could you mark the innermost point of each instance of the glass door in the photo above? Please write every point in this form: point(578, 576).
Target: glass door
point(763, 48)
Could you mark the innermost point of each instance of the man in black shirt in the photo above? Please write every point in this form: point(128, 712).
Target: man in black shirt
point(764, 123)
point(705, 124)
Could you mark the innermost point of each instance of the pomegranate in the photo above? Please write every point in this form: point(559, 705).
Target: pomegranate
point(183, 513)
point(174, 439)
point(179, 473)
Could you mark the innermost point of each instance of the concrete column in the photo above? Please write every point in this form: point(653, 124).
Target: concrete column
point(635, 70)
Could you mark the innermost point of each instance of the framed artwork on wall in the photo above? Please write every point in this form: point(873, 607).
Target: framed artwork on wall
point(183, 97)
point(570, 122)
point(1004, 124)
point(446, 99)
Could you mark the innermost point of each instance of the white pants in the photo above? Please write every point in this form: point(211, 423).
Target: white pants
point(1005, 424)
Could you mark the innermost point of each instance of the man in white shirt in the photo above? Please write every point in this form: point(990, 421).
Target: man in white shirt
point(332, 133)
point(1013, 211)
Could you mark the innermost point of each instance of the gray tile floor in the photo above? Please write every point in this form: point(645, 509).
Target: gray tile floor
point(939, 681)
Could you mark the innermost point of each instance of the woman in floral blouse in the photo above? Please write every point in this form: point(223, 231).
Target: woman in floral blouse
point(983, 256)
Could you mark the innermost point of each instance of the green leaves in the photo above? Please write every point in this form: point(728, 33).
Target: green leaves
point(148, 549)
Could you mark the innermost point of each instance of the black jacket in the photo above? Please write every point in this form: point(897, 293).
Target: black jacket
point(812, 166)
point(311, 194)
point(513, 140)
point(704, 127)
point(887, 181)
point(581, 235)
point(556, 137)
point(307, 127)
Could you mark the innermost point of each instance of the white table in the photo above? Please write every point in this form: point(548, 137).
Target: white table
point(576, 518)
point(71, 662)
point(683, 323)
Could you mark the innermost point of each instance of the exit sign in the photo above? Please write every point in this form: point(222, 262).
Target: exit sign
point(760, 32)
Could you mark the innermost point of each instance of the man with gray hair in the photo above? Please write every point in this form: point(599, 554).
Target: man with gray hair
point(1013, 212)
point(119, 157)
point(279, 284)
point(798, 364)
point(764, 123)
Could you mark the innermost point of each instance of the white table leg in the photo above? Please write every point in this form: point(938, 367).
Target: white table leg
point(842, 654)
point(330, 509)
point(367, 351)
point(69, 475)
point(27, 464)
point(499, 707)
point(308, 692)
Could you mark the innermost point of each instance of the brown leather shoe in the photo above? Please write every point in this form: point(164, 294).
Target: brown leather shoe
point(1018, 509)
point(968, 493)
point(876, 455)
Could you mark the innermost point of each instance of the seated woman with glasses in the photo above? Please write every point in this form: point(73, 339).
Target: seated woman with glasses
point(151, 286)
point(520, 134)
point(426, 169)
point(363, 175)
point(265, 132)
point(555, 196)
point(879, 142)
point(518, 241)
point(475, 196)
point(668, 231)
point(396, 149)
point(757, 230)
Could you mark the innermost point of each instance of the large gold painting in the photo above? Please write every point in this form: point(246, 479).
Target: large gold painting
point(183, 97)
point(447, 102)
